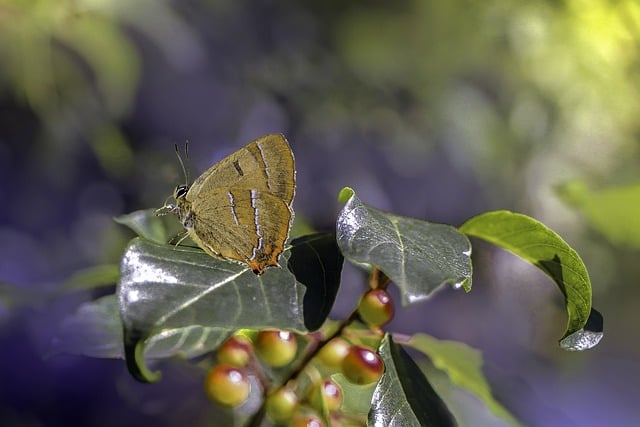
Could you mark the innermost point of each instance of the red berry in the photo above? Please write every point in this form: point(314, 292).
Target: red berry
point(227, 385)
point(362, 365)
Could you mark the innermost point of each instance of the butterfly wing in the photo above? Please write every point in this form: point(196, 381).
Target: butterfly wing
point(265, 164)
point(247, 225)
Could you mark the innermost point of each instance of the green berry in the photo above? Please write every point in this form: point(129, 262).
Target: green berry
point(362, 365)
point(376, 307)
point(333, 352)
point(281, 405)
point(276, 348)
point(227, 385)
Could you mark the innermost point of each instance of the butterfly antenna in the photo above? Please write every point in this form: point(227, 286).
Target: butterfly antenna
point(185, 172)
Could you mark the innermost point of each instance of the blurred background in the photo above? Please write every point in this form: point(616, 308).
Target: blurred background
point(430, 109)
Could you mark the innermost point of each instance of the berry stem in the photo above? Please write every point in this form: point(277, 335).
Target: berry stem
point(378, 280)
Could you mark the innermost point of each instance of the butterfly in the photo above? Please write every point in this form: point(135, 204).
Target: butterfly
point(240, 208)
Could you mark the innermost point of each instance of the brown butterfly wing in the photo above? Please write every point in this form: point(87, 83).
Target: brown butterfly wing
point(246, 225)
point(265, 164)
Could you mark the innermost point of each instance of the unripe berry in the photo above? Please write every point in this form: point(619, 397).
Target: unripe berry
point(376, 307)
point(327, 395)
point(276, 348)
point(362, 365)
point(281, 405)
point(227, 385)
point(332, 353)
point(235, 351)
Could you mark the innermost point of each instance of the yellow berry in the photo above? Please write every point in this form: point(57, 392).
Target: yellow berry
point(276, 348)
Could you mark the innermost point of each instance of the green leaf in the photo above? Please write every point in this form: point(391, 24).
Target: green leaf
point(614, 212)
point(93, 330)
point(187, 342)
point(403, 396)
point(317, 263)
point(536, 243)
point(152, 227)
point(174, 287)
point(463, 365)
point(419, 256)
point(356, 399)
point(93, 277)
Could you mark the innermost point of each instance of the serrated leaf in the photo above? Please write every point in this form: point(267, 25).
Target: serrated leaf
point(146, 224)
point(173, 287)
point(463, 365)
point(419, 256)
point(403, 396)
point(614, 212)
point(536, 243)
point(317, 263)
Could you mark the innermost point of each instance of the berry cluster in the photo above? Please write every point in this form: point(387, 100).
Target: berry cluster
point(309, 395)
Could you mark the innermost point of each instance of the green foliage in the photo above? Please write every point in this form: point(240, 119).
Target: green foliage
point(95, 330)
point(177, 300)
point(403, 395)
point(614, 212)
point(163, 287)
point(419, 256)
point(46, 46)
point(93, 277)
point(534, 242)
point(463, 366)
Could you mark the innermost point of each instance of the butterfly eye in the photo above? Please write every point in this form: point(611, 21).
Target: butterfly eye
point(180, 191)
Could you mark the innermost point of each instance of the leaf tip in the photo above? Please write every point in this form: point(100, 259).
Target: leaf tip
point(464, 283)
point(345, 194)
point(587, 337)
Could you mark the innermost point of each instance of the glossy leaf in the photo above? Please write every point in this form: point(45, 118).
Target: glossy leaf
point(536, 243)
point(403, 396)
point(317, 262)
point(463, 366)
point(165, 287)
point(417, 255)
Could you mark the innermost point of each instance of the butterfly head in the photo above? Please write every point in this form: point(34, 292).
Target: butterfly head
point(180, 192)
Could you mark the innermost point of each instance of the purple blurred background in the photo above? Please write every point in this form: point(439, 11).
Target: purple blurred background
point(428, 109)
